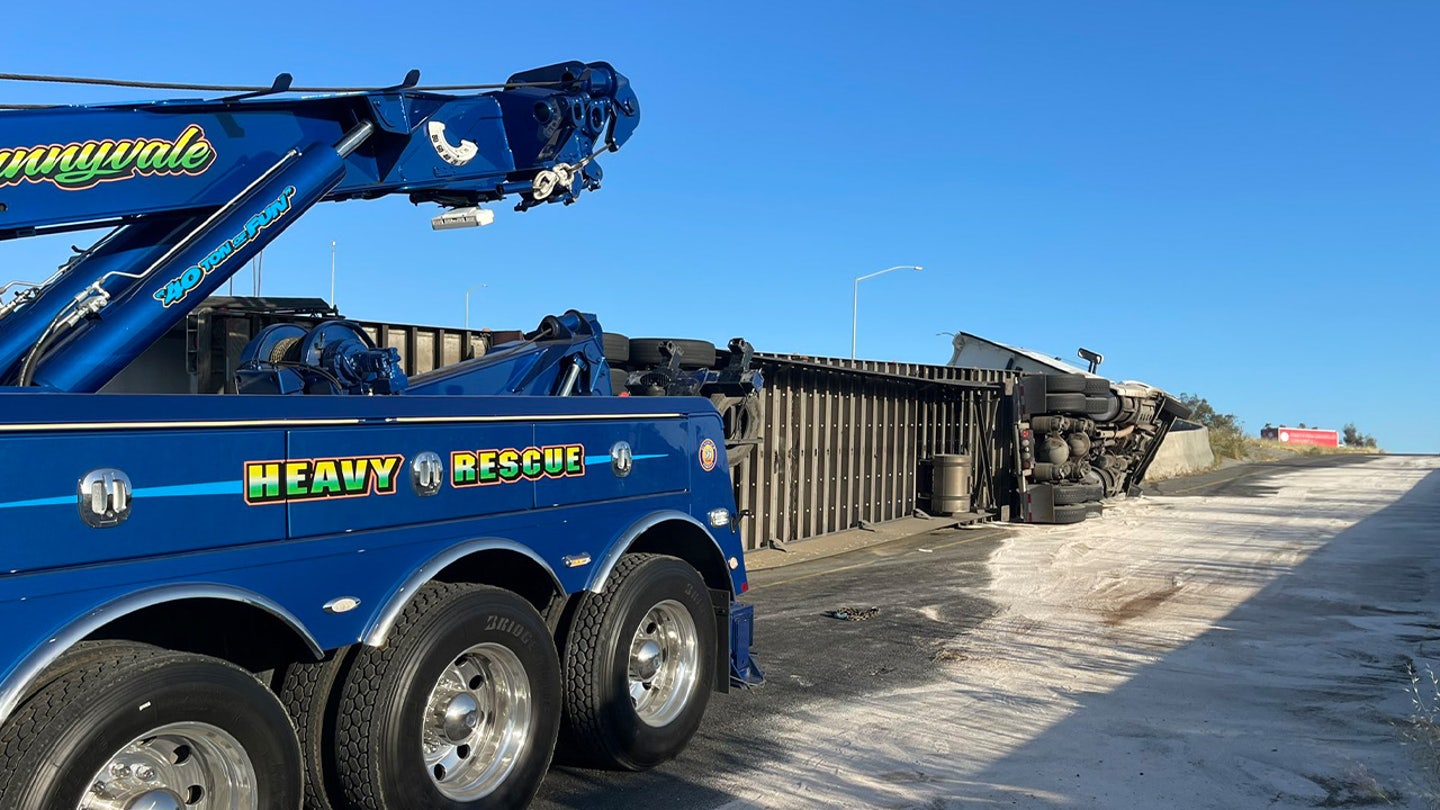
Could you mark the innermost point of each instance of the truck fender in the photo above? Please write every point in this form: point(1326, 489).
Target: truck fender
point(379, 628)
point(67, 636)
point(638, 530)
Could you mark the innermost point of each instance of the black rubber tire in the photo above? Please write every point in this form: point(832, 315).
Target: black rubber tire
point(617, 348)
point(84, 654)
point(739, 415)
point(1065, 403)
point(1070, 513)
point(1099, 406)
point(645, 352)
point(617, 381)
point(1064, 383)
point(378, 726)
point(1097, 387)
point(1111, 412)
point(308, 691)
point(1068, 494)
point(601, 726)
point(52, 747)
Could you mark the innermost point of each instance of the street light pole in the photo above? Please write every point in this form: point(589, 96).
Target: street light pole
point(855, 308)
point(332, 274)
point(467, 302)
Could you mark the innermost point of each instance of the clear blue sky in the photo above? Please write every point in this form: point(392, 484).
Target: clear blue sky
point(1237, 199)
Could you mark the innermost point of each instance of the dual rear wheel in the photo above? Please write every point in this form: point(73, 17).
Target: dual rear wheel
point(461, 708)
point(471, 682)
point(639, 665)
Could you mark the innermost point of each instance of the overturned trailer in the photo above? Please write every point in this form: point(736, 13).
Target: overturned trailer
point(1091, 438)
point(826, 444)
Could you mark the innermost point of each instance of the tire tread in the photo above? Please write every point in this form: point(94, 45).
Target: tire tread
point(583, 725)
point(1064, 383)
point(308, 692)
point(352, 756)
point(120, 663)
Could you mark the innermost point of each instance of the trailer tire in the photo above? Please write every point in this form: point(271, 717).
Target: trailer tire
point(1112, 409)
point(1070, 513)
point(739, 416)
point(1065, 403)
point(617, 348)
point(694, 354)
point(1096, 387)
point(1064, 383)
point(309, 694)
point(151, 704)
point(654, 619)
point(412, 726)
point(1100, 406)
point(1069, 494)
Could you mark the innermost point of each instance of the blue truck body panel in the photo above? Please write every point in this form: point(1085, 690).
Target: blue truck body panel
point(304, 512)
point(194, 522)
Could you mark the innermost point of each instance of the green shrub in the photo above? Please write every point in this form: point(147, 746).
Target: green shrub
point(1227, 432)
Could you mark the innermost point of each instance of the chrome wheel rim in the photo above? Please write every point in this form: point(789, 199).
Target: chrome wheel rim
point(173, 767)
point(664, 662)
point(477, 722)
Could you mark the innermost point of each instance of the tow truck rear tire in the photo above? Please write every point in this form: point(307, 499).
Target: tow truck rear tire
point(84, 654)
point(309, 694)
point(458, 709)
point(1097, 387)
point(639, 665)
point(203, 730)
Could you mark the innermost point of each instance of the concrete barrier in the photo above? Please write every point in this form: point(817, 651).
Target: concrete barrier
point(1186, 449)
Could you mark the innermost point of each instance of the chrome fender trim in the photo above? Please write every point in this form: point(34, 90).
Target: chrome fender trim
point(380, 626)
point(645, 524)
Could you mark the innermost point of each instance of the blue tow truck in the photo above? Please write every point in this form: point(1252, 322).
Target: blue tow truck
point(338, 587)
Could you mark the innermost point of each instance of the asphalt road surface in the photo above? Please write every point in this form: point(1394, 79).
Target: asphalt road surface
point(808, 656)
point(936, 590)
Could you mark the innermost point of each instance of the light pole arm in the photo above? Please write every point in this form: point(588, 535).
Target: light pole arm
point(886, 270)
point(855, 304)
point(855, 316)
point(467, 302)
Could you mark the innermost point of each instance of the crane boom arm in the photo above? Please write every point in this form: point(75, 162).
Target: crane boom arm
point(195, 188)
point(67, 167)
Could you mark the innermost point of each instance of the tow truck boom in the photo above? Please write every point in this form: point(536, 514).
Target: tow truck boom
point(194, 188)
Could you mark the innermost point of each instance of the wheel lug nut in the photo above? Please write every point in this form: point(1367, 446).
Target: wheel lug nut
point(146, 773)
point(119, 770)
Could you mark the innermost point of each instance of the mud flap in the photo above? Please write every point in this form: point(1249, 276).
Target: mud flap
point(744, 672)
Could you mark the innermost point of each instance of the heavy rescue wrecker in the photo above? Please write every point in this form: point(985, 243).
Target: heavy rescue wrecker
point(338, 587)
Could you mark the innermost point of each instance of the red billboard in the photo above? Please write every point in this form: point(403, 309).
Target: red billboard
point(1289, 435)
